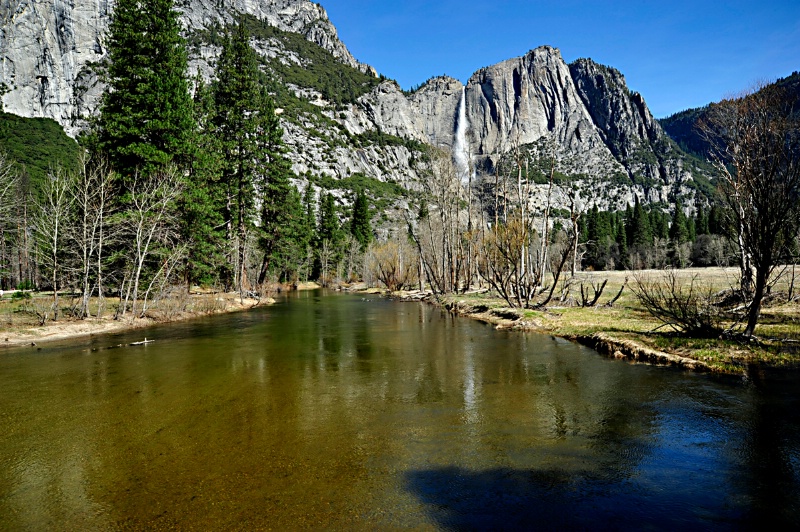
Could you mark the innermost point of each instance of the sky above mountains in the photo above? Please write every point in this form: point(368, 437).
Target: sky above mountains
point(677, 54)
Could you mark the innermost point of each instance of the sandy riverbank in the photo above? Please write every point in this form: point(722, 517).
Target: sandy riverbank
point(29, 334)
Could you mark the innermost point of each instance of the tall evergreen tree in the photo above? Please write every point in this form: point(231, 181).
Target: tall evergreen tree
point(203, 199)
point(659, 223)
point(239, 122)
point(329, 235)
point(359, 226)
point(641, 233)
point(329, 227)
point(678, 230)
point(145, 118)
point(310, 208)
point(701, 220)
point(281, 207)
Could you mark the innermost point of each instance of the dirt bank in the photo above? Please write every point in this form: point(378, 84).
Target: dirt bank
point(28, 334)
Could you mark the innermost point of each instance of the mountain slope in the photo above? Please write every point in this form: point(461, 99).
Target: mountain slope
point(341, 119)
point(682, 126)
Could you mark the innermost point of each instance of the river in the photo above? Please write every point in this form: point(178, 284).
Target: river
point(342, 411)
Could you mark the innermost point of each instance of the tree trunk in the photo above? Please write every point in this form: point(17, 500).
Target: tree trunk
point(755, 306)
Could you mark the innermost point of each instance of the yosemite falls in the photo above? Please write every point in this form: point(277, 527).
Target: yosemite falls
point(461, 151)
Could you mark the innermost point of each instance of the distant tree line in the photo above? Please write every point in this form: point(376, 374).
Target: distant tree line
point(639, 237)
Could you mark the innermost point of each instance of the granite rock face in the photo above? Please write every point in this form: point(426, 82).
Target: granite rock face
point(47, 47)
point(522, 100)
point(583, 113)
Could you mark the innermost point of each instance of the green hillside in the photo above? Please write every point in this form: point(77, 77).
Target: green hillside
point(682, 126)
point(36, 145)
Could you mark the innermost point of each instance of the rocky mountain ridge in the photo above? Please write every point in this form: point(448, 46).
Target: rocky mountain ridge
point(602, 135)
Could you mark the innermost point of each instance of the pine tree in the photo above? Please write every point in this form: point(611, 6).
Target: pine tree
point(641, 233)
point(359, 225)
point(659, 223)
point(716, 221)
point(203, 199)
point(310, 208)
point(701, 220)
point(328, 237)
point(281, 211)
point(329, 226)
point(678, 230)
point(622, 243)
point(238, 121)
point(145, 118)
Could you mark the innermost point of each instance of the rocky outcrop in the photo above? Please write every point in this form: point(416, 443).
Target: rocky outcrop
point(631, 133)
point(523, 100)
point(48, 47)
point(45, 49)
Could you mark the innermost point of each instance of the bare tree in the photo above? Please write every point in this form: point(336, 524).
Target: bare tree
point(684, 307)
point(756, 147)
point(92, 200)
point(51, 227)
point(352, 255)
point(393, 263)
point(440, 228)
point(326, 255)
point(9, 182)
point(151, 227)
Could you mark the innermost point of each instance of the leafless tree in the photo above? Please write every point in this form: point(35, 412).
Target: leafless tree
point(352, 255)
point(756, 147)
point(9, 183)
point(91, 197)
point(393, 263)
point(440, 230)
point(684, 307)
point(151, 228)
point(51, 226)
point(326, 255)
point(518, 250)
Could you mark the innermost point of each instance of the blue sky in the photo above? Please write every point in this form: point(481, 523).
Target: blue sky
point(677, 54)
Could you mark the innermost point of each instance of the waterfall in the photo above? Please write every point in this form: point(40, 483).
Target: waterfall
point(461, 157)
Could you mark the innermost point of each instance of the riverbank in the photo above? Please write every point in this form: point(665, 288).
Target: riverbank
point(626, 331)
point(20, 324)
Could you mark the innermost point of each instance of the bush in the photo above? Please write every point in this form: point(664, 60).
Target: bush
point(687, 308)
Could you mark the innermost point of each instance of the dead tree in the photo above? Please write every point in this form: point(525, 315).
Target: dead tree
point(756, 148)
point(151, 226)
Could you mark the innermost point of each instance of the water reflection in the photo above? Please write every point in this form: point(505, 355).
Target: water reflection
point(333, 411)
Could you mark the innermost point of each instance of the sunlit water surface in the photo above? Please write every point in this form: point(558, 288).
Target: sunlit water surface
point(345, 412)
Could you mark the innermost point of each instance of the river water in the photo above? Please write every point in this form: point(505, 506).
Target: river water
point(337, 411)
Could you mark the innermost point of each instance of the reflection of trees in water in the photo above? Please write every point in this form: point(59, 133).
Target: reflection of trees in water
point(771, 455)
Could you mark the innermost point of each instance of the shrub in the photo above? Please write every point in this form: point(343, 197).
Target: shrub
point(686, 307)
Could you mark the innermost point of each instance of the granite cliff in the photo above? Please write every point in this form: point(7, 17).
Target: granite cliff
point(601, 133)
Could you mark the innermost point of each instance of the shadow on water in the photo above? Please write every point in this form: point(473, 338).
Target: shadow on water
point(551, 499)
point(505, 498)
point(651, 474)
